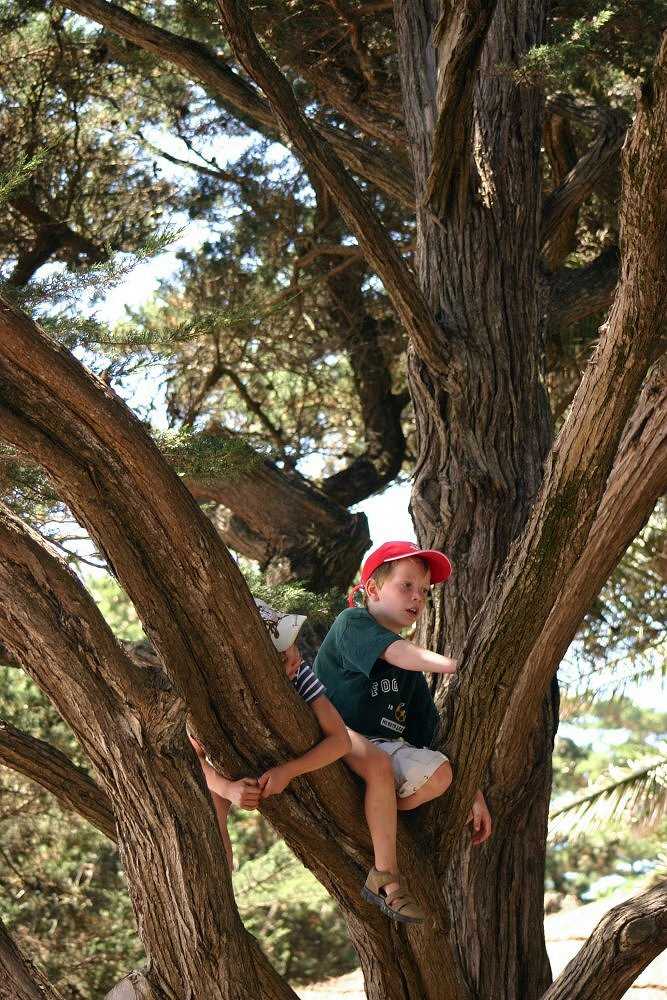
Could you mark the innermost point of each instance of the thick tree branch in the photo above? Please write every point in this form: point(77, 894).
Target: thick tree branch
point(637, 480)
point(195, 606)
point(204, 65)
point(55, 772)
point(323, 163)
point(168, 841)
point(19, 979)
point(578, 292)
point(595, 163)
point(627, 938)
point(562, 155)
point(458, 40)
point(90, 673)
point(287, 524)
point(558, 528)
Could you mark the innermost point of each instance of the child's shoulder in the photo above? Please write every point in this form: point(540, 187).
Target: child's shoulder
point(348, 618)
point(350, 615)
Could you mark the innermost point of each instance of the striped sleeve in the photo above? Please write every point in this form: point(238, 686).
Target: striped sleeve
point(307, 684)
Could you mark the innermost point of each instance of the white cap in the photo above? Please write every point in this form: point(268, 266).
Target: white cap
point(283, 628)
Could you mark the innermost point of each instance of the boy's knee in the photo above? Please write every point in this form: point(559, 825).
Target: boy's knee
point(441, 779)
point(381, 768)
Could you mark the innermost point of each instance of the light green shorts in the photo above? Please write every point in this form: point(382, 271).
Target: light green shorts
point(413, 766)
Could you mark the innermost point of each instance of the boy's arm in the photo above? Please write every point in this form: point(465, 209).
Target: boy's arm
point(244, 792)
point(336, 743)
point(407, 656)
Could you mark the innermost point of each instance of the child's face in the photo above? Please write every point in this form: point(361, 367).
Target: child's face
point(402, 596)
point(292, 660)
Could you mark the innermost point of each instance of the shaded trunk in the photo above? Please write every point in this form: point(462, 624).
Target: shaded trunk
point(481, 458)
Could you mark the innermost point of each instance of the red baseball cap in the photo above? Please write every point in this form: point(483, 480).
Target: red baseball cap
point(441, 567)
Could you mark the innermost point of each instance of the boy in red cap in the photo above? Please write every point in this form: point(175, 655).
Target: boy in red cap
point(375, 678)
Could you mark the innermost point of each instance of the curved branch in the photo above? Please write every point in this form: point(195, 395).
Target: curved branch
point(637, 480)
point(558, 529)
point(168, 842)
point(578, 292)
point(293, 529)
point(90, 672)
point(458, 40)
point(19, 979)
point(244, 102)
point(321, 160)
point(624, 942)
point(594, 164)
point(562, 155)
point(56, 773)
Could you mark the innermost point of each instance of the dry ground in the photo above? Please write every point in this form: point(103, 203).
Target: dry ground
point(566, 932)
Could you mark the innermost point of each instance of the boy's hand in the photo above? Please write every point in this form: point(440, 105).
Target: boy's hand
point(481, 820)
point(449, 666)
point(245, 793)
point(274, 781)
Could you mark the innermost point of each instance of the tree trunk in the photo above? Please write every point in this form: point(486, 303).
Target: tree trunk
point(477, 324)
point(482, 451)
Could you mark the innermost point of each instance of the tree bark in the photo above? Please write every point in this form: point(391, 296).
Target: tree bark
point(482, 452)
point(478, 474)
point(55, 772)
point(133, 733)
point(292, 528)
point(195, 606)
point(638, 479)
point(19, 979)
point(621, 946)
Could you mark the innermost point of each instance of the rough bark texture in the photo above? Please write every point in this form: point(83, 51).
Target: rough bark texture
point(638, 479)
point(19, 979)
point(482, 449)
point(55, 772)
point(196, 608)
point(621, 946)
point(133, 733)
point(292, 528)
point(476, 336)
point(483, 446)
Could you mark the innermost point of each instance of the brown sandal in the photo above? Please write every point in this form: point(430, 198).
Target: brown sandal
point(398, 904)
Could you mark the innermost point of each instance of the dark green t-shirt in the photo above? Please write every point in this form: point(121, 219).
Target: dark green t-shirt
point(375, 699)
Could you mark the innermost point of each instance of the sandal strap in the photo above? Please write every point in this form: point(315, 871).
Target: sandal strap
point(398, 899)
point(384, 878)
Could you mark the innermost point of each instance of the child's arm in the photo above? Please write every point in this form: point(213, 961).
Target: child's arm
point(407, 656)
point(244, 792)
point(336, 743)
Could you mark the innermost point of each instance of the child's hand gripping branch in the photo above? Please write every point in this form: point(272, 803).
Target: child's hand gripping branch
point(375, 679)
point(336, 741)
point(247, 792)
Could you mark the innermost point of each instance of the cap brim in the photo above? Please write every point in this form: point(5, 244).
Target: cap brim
point(288, 630)
point(441, 567)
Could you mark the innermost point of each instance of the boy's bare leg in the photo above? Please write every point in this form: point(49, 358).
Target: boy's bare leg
point(222, 807)
point(374, 766)
point(436, 785)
